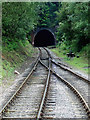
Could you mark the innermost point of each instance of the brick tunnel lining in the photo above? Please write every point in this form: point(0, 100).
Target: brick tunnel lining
point(44, 38)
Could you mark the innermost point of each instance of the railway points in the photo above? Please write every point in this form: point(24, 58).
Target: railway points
point(47, 94)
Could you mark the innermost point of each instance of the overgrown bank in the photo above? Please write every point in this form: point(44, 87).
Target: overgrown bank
point(81, 63)
point(17, 24)
point(72, 34)
point(13, 60)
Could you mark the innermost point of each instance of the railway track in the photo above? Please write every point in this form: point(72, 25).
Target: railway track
point(78, 84)
point(36, 97)
point(25, 103)
point(48, 100)
point(11, 108)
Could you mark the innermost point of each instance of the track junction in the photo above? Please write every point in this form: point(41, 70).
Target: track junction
point(51, 90)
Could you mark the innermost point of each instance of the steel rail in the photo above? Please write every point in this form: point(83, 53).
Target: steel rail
point(79, 76)
point(65, 68)
point(43, 100)
point(86, 80)
point(85, 105)
point(48, 53)
point(16, 92)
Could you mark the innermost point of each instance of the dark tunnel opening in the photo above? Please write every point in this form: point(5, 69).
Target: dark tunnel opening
point(44, 38)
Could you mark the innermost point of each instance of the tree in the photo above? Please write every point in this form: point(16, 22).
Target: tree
point(48, 15)
point(18, 19)
point(73, 25)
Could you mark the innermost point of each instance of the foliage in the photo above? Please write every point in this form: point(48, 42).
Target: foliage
point(48, 15)
point(73, 25)
point(18, 20)
point(13, 59)
point(86, 51)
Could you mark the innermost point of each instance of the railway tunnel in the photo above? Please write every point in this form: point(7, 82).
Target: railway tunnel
point(44, 38)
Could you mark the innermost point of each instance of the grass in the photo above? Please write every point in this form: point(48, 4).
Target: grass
point(11, 60)
point(14, 59)
point(80, 63)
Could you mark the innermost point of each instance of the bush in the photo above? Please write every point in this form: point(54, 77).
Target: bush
point(86, 51)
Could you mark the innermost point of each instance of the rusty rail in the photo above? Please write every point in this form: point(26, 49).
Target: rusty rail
point(84, 103)
point(86, 80)
point(43, 100)
point(17, 91)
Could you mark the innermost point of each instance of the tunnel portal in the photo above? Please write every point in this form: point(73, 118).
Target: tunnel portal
point(44, 38)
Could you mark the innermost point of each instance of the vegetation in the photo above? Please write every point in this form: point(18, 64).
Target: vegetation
point(80, 63)
point(48, 15)
point(19, 19)
point(12, 59)
point(72, 31)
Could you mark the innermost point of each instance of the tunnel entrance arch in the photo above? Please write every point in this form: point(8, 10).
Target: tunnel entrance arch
point(44, 38)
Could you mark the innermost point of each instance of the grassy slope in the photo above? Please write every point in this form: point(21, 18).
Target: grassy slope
point(14, 59)
point(80, 63)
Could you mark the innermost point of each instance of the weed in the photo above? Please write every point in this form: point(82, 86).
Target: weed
point(13, 58)
point(79, 63)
